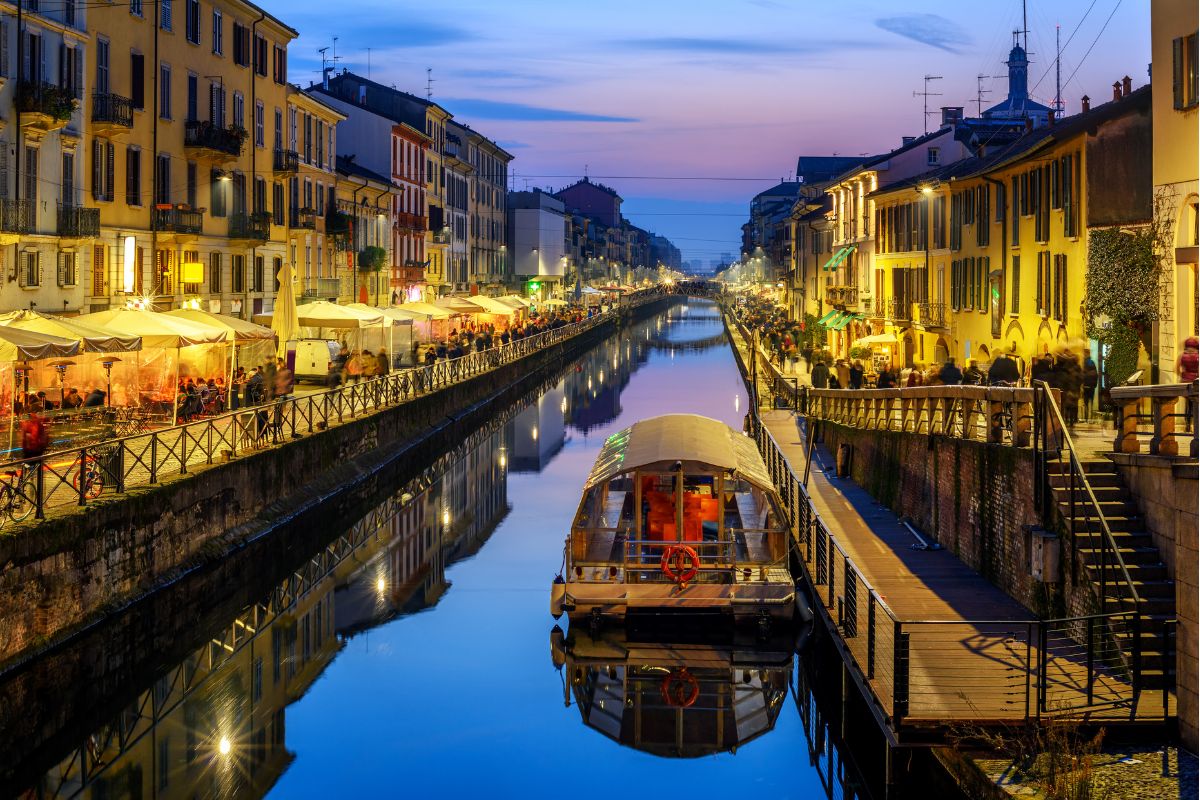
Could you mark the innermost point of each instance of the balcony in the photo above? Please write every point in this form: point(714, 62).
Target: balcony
point(410, 222)
point(841, 295)
point(287, 161)
point(44, 107)
point(16, 216)
point(444, 236)
point(212, 142)
point(304, 219)
point(899, 309)
point(250, 227)
point(177, 220)
point(326, 288)
point(931, 315)
point(76, 222)
point(111, 113)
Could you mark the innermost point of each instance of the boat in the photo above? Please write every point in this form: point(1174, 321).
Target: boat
point(677, 700)
point(678, 517)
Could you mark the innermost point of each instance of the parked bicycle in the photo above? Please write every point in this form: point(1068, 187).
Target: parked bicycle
point(91, 477)
point(17, 493)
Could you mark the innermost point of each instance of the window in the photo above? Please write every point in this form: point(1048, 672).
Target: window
point(278, 129)
point(1042, 289)
point(5, 64)
point(308, 198)
point(135, 7)
point(1058, 304)
point(259, 277)
point(102, 74)
point(162, 179)
point(239, 273)
point(277, 203)
point(308, 137)
point(291, 129)
point(216, 104)
point(102, 170)
point(259, 124)
point(260, 55)
point(320, 143)
point(239, 110)
point(193, 21)
point(164, 91)
point(1070, 191)
point(68, 178)
point(214, 272)
point(237, 184)
point(29, 270)
point(218, 185)
point(241, 45)
point(1184, 71)
point(164, 14)
point(279, 71)
point(193, 97)
point(260, 195)
point(933, 156)
point(320, 209)
point(191, 184)
point(137, 80)
point(1016, 216)
point(133, 176)
point(98, 272)
point(218, 33)
point(983, 216)
point(68, 269)
point(191, 257)
point(1016, 285)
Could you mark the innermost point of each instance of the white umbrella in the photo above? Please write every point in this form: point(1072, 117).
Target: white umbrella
point(285, 321)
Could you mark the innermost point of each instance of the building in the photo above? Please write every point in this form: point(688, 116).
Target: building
point(537, 235)
point(593, 200)
point(365, 214)
point(410, 220)
point(489, 266)
point(350, 93)
point(46, 233)
point(458, 178)
point(1174, 81)
point(307, 152)
point(182, 169)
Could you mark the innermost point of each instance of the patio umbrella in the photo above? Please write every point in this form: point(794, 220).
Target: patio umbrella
point(285, 322)
point(92, 340)
point(458, 305)
point(324, 314)
point(427, 310)
point(20, 345)
point(490, 305)
point(238, 329)
point(513, 300)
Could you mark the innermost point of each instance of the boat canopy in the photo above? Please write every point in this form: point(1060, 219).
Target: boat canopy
point(659, 442)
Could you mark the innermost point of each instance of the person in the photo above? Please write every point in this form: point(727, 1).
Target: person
point(73, 399)
point(1091, 378)
point(950, 375)
point(354, 368)
point(843, 372)
point(267, 391)
point(1187, 367)
point(95, 398)
point(253, 393)
point(35, 437)
point(1070, 380)
point(820, 375)
point(1017, 360)
point(886, 379)
point(972, 376)
point(414, 348)
point(430, 356)
point(1003, 371)
point(284, 382)
point(856, 375)
point(1043, 370)
point(916, 377)
point(382, 365)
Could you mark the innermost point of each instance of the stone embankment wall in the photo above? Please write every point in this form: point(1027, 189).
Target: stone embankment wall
point(1166, 494)
point(76, 567)
point(975, 499)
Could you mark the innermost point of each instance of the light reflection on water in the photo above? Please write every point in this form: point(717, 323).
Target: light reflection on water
point(415, 660)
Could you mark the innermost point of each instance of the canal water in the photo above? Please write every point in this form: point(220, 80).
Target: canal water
point(415, 653)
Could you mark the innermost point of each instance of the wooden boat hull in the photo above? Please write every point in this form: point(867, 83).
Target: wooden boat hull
point(744, 602)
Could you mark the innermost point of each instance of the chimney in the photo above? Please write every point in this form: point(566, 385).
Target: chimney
point(951, 115)
point(1116, 90)
point(1085, 104)
point(906, 140)
point(1126, 86)
point(1050, 117)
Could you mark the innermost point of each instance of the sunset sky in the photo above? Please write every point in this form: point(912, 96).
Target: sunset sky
point(734, 89)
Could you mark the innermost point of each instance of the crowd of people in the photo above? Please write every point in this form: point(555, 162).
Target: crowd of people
point(253, 386)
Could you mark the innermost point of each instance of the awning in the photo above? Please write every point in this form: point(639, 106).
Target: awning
point(156, 330)
point(842, 321)
point(324, 314)
point(839, 257)
point(659, 442)
point(92, 340)
point(828, 316)
point(427, 310)
point(19, 345)
point(238, 329)
point(878, 338)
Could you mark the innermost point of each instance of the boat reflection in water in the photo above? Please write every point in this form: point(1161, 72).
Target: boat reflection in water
point(682, 700)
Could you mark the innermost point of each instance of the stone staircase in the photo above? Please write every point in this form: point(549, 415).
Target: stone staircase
point(1143, 561)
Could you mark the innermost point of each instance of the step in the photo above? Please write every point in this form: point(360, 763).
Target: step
point(1117, 524)
point(1129, 554)
point(1091, 467)
point(1110, 494)
point(1149, 606)
point(1146, 590)
point(1096, 479)
point(1109, 508)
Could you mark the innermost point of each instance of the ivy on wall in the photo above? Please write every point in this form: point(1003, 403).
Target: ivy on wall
point(1121, 295)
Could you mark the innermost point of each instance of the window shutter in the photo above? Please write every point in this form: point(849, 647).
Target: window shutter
point(137, 73)
point(38, 260)
point(62, 269)
point(1016, 284)
point(78, 76)
point(4, 171)
point(62, 64)
point(1177, 71)
point(109, 171)
point(23, 270)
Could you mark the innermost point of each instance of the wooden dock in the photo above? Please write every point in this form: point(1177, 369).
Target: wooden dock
point(968, 653)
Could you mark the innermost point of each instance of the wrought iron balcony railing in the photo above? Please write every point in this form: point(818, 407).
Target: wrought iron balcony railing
point(78, 222)
point(175, 220)
point(112, 110)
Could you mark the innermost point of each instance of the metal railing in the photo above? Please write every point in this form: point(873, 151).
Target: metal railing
point(1163, 418)
point(78, 222)
point(931, 315)
point(899, 308)
point(17, 216)
point(176, 220)
point(321, 287)
point(286, 161)
point(112, 109)
point(251, 227)
point(111, 466)
point(228, 141)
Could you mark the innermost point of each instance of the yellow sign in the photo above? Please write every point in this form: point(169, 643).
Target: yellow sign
point(193, 272)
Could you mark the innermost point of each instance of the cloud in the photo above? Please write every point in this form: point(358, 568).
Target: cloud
point(495, 109)
point(929, 29)
point(508, 144)
point(365, 29)
point(503, 78)
point(688, 44)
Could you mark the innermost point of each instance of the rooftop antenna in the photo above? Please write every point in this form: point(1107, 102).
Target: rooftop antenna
point(1060, 107)
point(980, 92)
point(1025, 23)
point(328, 63)
point(429, 83)
point(368, 63)
point(925, 95)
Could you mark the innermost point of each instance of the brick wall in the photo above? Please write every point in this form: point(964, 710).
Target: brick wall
point(975, 499)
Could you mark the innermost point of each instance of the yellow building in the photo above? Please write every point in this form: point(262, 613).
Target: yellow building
point(365, 200)
point(187, 100)
point(310, 158)
point(1173, 30)
point(990, 253)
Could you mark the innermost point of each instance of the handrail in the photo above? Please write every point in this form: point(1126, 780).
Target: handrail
point(1081, 475)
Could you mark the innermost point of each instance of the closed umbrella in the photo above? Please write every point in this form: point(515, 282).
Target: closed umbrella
point(285, 321)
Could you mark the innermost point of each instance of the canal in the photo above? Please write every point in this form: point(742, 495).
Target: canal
point(412, 651)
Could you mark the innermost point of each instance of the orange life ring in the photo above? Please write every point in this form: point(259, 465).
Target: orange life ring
point(680, 688)
point(680, 563)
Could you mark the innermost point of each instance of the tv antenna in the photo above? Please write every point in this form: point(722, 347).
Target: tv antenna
point(980, 92)
point(368, 63)
point(429, 83)
point(925, 95)
point(328, 62)
point(1060, 107)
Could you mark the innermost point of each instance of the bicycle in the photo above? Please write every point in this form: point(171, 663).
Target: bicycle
point(92, 477)
point(17, 494)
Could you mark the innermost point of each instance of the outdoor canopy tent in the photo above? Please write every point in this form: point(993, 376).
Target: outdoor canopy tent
point(556, 302)
point(324, 314)
point(21, 345)
point(459, 305)
point(657, 443)
point(155, 329)
point(427, 310)
point(513, 300)
point(878, 338)
point(92, 340)
point(490, 305)
point(243, 334)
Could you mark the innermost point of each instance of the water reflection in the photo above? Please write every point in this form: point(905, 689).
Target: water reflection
point(674, 700)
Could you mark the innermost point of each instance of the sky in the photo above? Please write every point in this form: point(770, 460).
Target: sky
point(650, 96)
